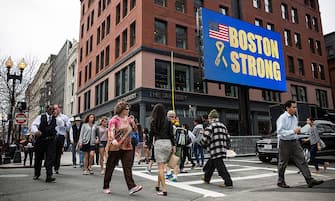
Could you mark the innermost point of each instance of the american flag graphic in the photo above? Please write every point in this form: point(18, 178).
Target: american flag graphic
point(218, 31)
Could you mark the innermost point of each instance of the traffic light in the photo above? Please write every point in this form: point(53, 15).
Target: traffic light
point(22, 106)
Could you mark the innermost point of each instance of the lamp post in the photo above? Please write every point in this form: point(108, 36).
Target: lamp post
point(9, 64)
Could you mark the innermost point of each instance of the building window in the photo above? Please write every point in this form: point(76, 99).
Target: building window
point(99, 8)
point(294, 16)
point(98, 35)
point(315, 24)
point(160, 32)
point(102, 59)
point(197, 40)
point(301, 67)
point(224, 10)
point(197, 5)
point(79, 105)
point(318, 47)
point(181, 37)
point(161, 2)
point(258, 22)
point(270, 27)
point(83, 10)
point(231, 90)
point(256, 3)
point(79, 78)
point(330, 51)
point(124, 40)
point(162, 74)
point(311, 45)
point(118, 14)
point(103, 29)
point(290, 62)
point(315, 71)
point(298, 93)
point(101, 92)
point(132, 76)
point(132, 33)
point(181, 76)
point(86, 48)
point(198, 84)
point(97, 62)
point(107, 56)
point(321, 98)
point(92, 17)
point(86, 71)
point(108, 28)
point(271, 96)
point(284, 12)
point(81, 55)
point(88, 23)
point(322, 72)
point(180, 5)
point(90, 70)
point(125, 8)
point(91, 43)
point(125, 79)
point(82, 31)
point(297, 40)
point(117, 47)
point(287, 37)
point(87, 100)
point(268, 6)
point(132, 4)
point(308, 21)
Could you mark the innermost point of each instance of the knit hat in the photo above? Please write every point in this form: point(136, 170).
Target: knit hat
point(213, 114)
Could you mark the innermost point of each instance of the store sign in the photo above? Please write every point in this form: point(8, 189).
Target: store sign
point(241, 53)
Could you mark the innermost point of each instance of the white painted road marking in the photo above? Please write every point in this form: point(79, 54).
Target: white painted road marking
point(13, 175)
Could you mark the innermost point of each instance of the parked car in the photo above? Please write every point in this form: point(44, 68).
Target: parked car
point(267, 148)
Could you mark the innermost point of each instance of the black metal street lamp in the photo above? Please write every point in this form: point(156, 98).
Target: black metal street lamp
point(9, 64)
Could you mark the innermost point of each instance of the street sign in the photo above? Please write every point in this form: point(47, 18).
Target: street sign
point(20, 118)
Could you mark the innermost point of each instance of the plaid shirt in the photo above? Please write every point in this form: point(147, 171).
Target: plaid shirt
point(216, 139)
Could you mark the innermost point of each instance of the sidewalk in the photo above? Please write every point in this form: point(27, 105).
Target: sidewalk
point(66, 160)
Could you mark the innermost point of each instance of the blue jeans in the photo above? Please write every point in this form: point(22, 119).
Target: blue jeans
point(198, 149)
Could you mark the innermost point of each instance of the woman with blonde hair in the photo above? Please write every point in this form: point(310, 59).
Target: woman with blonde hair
point(103, 141)
point(119, 147)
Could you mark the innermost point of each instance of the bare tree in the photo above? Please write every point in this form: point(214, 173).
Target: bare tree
point(8, 97)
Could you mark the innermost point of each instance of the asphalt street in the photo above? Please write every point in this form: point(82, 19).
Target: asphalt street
point(252, 179)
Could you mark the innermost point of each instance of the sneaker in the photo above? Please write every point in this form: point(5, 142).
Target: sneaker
point(56, 171)
point(86, 172)
point(50, 179)
point(135, 189)
point(174, 180)
point(193, 165)
point(74, 166)
point(107, 191)
point(168, 176)
point(148, 170)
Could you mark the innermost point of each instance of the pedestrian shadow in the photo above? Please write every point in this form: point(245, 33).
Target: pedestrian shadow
point(326, 187)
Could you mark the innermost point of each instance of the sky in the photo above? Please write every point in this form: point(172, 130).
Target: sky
point(37, 28)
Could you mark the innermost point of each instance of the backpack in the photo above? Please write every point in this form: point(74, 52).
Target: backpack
point(182, 138)
point(134, 138)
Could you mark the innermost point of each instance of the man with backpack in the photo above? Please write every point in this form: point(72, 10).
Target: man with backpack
point(184, 141)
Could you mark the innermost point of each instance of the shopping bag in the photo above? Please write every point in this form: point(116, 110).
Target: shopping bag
point(173, 161)
point(230, 153)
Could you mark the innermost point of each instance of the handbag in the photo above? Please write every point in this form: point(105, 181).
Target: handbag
point(322, 144)
point(230, 153)
point(173, 161)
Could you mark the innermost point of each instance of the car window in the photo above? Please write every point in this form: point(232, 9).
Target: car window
point(325, 129)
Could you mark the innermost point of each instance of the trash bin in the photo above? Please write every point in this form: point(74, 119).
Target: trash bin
point(12, 149)
point(17, 157)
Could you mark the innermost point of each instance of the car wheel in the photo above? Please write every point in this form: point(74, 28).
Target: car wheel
point(265, 159)
point(307, 154)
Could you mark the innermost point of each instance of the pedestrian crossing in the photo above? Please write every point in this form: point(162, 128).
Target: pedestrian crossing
point(191, 181)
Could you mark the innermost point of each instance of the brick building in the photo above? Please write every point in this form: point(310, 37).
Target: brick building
point(330, 47)
point(125, 53)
